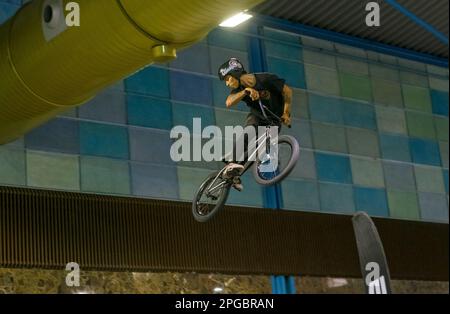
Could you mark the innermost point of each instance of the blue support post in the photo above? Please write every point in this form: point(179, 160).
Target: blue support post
point(272, 195)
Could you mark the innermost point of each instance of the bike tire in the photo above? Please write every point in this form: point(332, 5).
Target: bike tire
point(220, 202)
point(287, 170)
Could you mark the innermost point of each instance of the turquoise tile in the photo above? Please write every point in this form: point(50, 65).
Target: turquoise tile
point(150, 146)
point(149, 112)
point(372, 201)
point(363, 142)
point(387, 93)
point(189, 180)
point(391, 120)
point(317, 43)
point(379, 71)
point(445, 173)
point(300, 130)
point(149, 81)
point(413, 78)
point(433, 69)
point(71, 113)
point(329, 138)
point(351, 65)
point(59, 135)
point(12, 166)
point(183, 115)
point(18, 143)
point(395, 147)
point(305, 167)
point(350, 50)
point(103, 140)
point(438, 84)
point(433, 207)
point(292, 72)
point(300, 195)
point(399, 177)
point(104, 175)
point(325, 109)
point(300, 104)
point(7, 10)
point(403, 205)
point(193, 59)
point(183, 84)
point(429, 179)
point(420, 125)
point(367, 173)
point(281, 35)
point(109, 106)
point(440, 102)
point(322, 80)
point(280, 50)
point(381, 58)
point(227, 39)
point(417, 98)
point(441, 125)
point(443, 148)
point(359, 115)
point(425, 152)
point(333, 168)
point(319, 58)
point(336, 198)
point(53, 171)
point(358, 87)
point(412, 65)
point(156, 182)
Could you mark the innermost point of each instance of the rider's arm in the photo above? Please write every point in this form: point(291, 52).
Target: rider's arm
point(234, 99)
point(287, 95)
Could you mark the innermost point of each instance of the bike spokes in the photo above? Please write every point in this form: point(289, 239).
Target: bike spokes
point(209, 197)
point(271, 164)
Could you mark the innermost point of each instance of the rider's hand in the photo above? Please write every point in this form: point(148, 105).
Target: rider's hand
point(286, 119)
point(253, 93)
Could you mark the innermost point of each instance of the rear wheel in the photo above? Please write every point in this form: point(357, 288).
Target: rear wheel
point(269, 169)
point(210, 197)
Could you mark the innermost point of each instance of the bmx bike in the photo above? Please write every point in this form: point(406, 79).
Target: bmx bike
point(268, 169)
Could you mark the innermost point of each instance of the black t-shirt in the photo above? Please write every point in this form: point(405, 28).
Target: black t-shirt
point(270, 88)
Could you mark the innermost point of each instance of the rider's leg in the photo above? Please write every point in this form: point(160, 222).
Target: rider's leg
point(236, 166)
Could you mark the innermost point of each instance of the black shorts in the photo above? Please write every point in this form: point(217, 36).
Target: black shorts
point(255, 118)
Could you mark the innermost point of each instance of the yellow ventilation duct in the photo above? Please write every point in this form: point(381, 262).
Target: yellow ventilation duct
point(47, 67)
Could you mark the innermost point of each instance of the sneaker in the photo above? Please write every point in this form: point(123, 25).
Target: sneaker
point(237, 184)
point(233, 170)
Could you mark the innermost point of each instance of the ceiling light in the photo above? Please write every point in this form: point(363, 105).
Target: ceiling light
point(236, 20)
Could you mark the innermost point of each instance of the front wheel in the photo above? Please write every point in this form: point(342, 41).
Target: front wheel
point(270, 169)
point(210, 197)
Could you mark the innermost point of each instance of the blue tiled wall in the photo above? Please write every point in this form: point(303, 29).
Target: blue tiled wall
point(373, 130)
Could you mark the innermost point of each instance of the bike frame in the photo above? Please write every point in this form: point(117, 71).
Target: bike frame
point(265, 139)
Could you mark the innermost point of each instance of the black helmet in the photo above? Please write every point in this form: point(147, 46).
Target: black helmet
point(232, 67)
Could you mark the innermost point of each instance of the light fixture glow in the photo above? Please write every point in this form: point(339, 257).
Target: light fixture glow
point(236, 20)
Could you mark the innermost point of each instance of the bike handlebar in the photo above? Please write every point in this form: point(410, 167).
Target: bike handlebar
point(264, 108)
